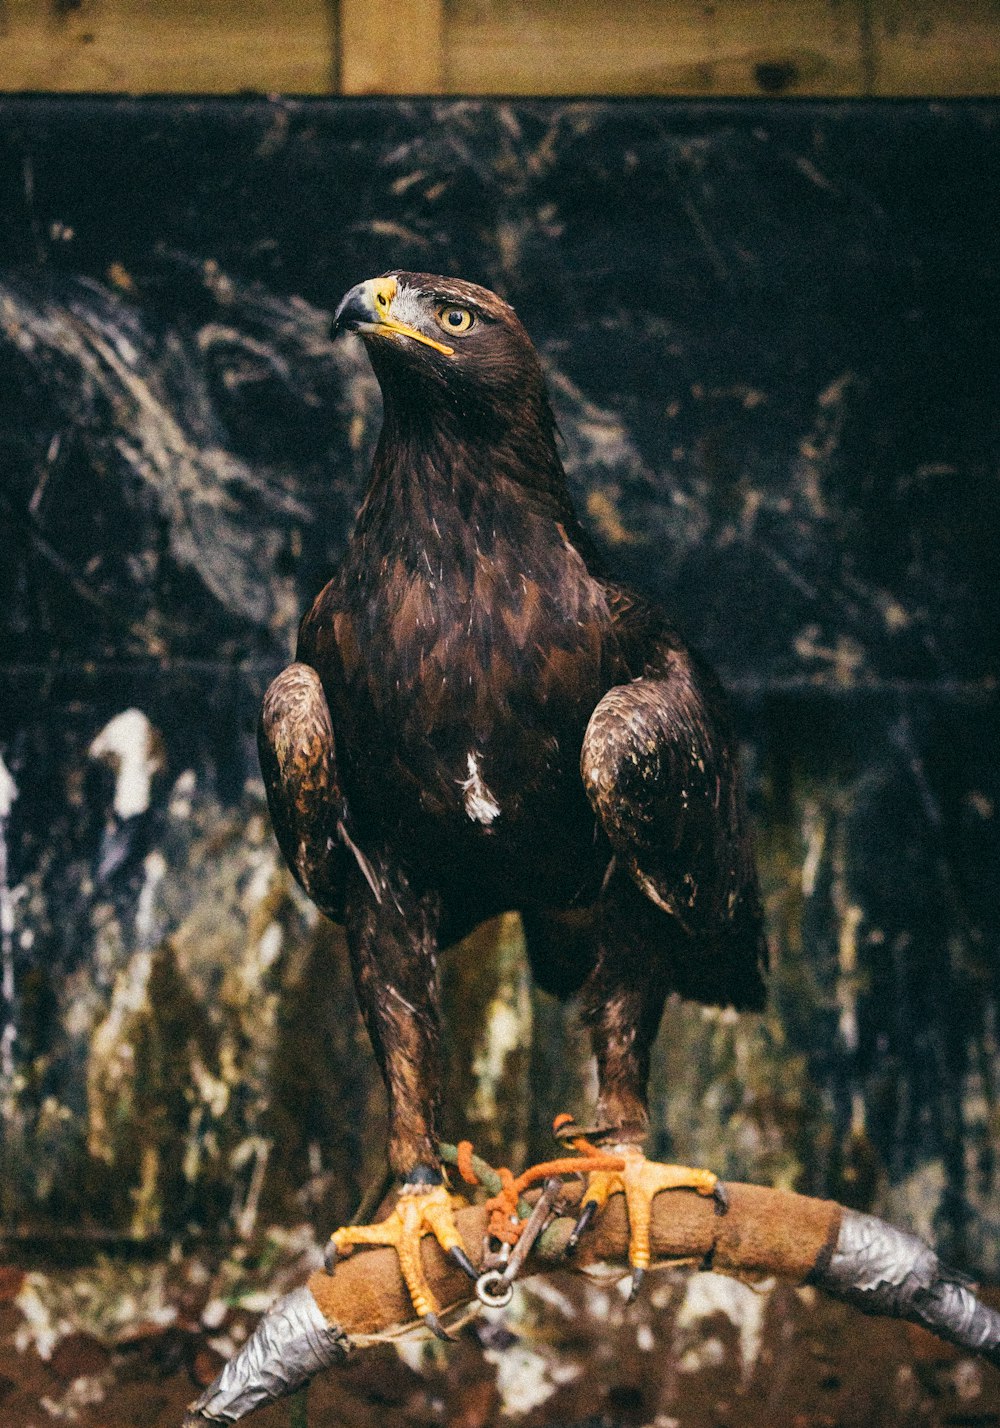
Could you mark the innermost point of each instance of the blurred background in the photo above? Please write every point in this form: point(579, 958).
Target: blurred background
point(757, 248)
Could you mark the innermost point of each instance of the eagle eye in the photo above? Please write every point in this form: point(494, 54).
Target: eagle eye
point(455, 320)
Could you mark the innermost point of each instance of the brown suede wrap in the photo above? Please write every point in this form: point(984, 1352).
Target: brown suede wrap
point(765, 1232)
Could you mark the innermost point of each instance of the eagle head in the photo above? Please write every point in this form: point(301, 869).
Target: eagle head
point(428, 335)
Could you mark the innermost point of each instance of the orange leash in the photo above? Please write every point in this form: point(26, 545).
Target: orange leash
point(504, 1224)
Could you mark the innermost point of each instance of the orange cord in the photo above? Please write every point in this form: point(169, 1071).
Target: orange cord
point(463, 1159)
point(504, 1224)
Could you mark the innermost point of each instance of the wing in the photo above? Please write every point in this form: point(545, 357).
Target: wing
point(659, 766)
point(298, 760)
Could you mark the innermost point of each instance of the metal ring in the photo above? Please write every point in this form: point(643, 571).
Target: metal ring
point(494, 1290)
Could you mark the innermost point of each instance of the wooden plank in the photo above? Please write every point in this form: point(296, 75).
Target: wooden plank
point(168, 46)
point(740, 47)
point(391, 47)
point(938, 47)
point(649, 47)
point(656, 47)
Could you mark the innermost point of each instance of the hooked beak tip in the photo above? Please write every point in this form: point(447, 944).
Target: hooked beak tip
point(354, 308)
point(359, 311)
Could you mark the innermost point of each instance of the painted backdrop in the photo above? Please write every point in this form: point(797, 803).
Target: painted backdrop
point(771, 337)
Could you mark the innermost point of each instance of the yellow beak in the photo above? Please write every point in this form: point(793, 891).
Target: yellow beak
point(366, 308)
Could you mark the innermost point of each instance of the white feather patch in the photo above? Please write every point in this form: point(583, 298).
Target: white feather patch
point(480, 803)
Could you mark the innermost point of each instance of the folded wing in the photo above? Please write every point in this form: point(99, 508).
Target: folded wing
point(659, 766)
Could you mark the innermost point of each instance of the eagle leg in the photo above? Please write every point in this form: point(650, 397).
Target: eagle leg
point(420, 1211)
point(629, 1173)
point(393, 946)
point(622, 1004)
point(623, 1001)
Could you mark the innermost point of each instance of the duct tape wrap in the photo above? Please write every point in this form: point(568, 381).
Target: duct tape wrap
point(291, 1343)
point(883, 1270)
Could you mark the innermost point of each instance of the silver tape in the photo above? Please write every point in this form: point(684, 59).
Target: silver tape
point(883, 1270)
point(291, 1343)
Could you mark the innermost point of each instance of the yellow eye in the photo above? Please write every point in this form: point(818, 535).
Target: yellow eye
point(455, 320)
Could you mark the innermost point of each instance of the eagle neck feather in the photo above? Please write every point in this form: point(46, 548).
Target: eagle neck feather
point(474, 432)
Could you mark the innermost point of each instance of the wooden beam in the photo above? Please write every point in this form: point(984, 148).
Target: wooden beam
point(682, 47)
point(654, 47)
point(391, 46)
point(733, 47)
point(937, 47)
point(168, 46)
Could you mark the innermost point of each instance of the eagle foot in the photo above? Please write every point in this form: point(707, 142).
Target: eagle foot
point(420, 1210)
point(628, 1172)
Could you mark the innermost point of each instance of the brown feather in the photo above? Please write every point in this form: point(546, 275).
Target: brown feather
point(470, 652)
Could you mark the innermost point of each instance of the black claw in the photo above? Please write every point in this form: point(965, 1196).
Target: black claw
point(720, 1198)
point(570, 1131)
point(566, 1131)
point(458, 1257)
point(582, 1225)
point(638, 1275)
point(330, 1257)
point(437, 1328)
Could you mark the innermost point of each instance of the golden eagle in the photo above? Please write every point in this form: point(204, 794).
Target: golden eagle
point(480, 719)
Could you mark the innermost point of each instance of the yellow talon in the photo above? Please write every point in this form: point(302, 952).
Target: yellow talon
point(640, 1180)
point(417, 1213)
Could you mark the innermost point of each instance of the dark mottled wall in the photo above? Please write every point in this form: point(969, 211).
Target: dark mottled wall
point(772, 338)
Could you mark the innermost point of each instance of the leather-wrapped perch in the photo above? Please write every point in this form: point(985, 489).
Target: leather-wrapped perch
point(855, 1257)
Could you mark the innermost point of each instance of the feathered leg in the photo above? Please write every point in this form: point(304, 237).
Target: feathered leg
point(623, 1003)
point(681, 908)
point(393, 945)
point(393, 951)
